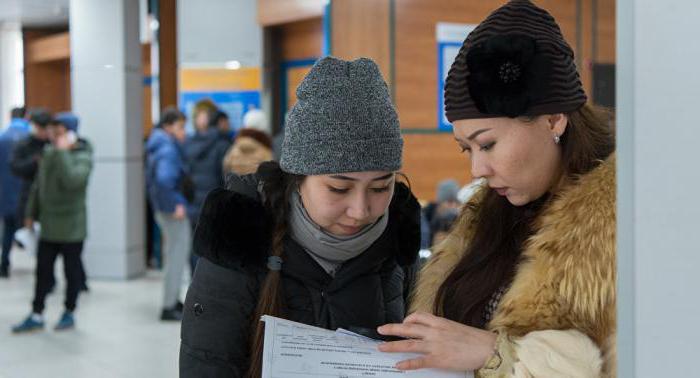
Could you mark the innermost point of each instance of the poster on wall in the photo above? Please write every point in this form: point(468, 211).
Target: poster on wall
point(234, 91)
point(449, 38)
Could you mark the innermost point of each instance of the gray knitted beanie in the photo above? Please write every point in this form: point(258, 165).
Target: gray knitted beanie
point(343, 121)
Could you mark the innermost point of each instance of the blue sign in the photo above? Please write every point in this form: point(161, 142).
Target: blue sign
point(450, 37)
point(234, 104)
point(447, 52)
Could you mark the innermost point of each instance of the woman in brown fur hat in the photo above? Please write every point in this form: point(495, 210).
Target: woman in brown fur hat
point(524, 285)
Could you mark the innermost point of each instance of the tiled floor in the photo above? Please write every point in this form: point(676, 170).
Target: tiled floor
point(118, 334)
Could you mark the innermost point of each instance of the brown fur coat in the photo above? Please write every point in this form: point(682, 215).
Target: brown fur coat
point(566, 282)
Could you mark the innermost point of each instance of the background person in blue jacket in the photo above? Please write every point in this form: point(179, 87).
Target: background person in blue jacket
point(10, 185)
point(168, 188)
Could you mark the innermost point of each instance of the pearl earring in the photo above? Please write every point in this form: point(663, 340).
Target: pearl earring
point(556, 139)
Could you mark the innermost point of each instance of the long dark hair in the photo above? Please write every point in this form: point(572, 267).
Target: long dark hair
point(278, 186)
point(501, 229)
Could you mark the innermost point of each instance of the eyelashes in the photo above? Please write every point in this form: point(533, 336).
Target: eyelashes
point(482, 147)
point(487, 146)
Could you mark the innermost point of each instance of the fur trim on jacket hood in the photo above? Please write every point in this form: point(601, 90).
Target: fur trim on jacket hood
point(566, 280)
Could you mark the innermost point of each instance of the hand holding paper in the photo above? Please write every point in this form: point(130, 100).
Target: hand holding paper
point(441, 343)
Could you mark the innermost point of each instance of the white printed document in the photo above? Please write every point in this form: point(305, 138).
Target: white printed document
point(295, 350)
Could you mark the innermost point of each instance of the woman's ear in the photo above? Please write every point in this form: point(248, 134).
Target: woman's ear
point(557, 123)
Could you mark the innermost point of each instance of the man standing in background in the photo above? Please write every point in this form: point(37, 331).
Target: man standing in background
point(57, 201)
point(170, 190)
point(10, 185)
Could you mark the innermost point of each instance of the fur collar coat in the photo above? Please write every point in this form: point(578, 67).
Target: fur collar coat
point(558, 316)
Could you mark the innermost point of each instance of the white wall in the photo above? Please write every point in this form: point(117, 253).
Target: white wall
point(11, 66)
point(216, 31)
point(658, 187)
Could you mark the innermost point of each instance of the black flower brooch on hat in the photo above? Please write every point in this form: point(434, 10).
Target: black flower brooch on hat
point(507, 74)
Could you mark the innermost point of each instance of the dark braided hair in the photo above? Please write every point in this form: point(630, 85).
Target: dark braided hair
point(277, 187)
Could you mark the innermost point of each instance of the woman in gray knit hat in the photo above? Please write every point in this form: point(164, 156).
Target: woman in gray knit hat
point(525, 283)
point(327, 237)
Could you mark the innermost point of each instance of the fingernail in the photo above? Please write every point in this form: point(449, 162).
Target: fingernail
point(379, 329)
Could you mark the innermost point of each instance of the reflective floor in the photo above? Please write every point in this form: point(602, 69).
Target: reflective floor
point(118, 334)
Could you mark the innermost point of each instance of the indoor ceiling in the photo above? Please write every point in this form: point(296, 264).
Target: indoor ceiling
point(33, 13)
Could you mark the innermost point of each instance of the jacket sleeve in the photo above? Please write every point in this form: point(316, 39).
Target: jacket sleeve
point(168, 172)
point(75, 168)
point(217, 321)
point(22, 163)
point(547, 353)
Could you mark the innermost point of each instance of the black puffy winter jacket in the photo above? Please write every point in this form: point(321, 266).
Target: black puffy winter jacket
point(233, 240)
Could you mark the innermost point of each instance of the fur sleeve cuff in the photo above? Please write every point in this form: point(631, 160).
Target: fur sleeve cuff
point(547, 353)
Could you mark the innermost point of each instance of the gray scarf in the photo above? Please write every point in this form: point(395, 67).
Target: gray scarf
point(330, 251)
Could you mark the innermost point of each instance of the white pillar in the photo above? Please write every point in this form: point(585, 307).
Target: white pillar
point(658, 95)
point(107, 92)
point(11, 70)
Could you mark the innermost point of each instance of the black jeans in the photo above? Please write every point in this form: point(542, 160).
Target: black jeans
point(8, 237)
point(73, 268)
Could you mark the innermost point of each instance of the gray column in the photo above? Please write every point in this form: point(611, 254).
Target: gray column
point(11, 65)
point(658, 97)
point(107, 92)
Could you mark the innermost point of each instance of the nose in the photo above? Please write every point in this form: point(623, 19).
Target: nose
point(480, 166)
point(359, 208)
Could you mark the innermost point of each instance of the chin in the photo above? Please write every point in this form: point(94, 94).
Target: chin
point(518, 200)
point(343, 231)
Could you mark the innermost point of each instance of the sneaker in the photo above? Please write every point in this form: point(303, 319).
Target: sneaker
point(67, 322)
point(171, 314)
point(29, 324)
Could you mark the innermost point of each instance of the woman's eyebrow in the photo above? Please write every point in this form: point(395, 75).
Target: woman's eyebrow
point(476, 133)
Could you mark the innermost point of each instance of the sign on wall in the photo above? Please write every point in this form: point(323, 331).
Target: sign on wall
point(235, 91)
point(449, 38)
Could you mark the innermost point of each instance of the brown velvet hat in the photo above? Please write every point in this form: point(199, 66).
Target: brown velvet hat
point(515, 63)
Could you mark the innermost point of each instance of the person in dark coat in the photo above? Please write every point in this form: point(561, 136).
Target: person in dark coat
point(27, 155)
point(222, 123)
point(204, 154)
point(440, 214)
point(326, 237)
